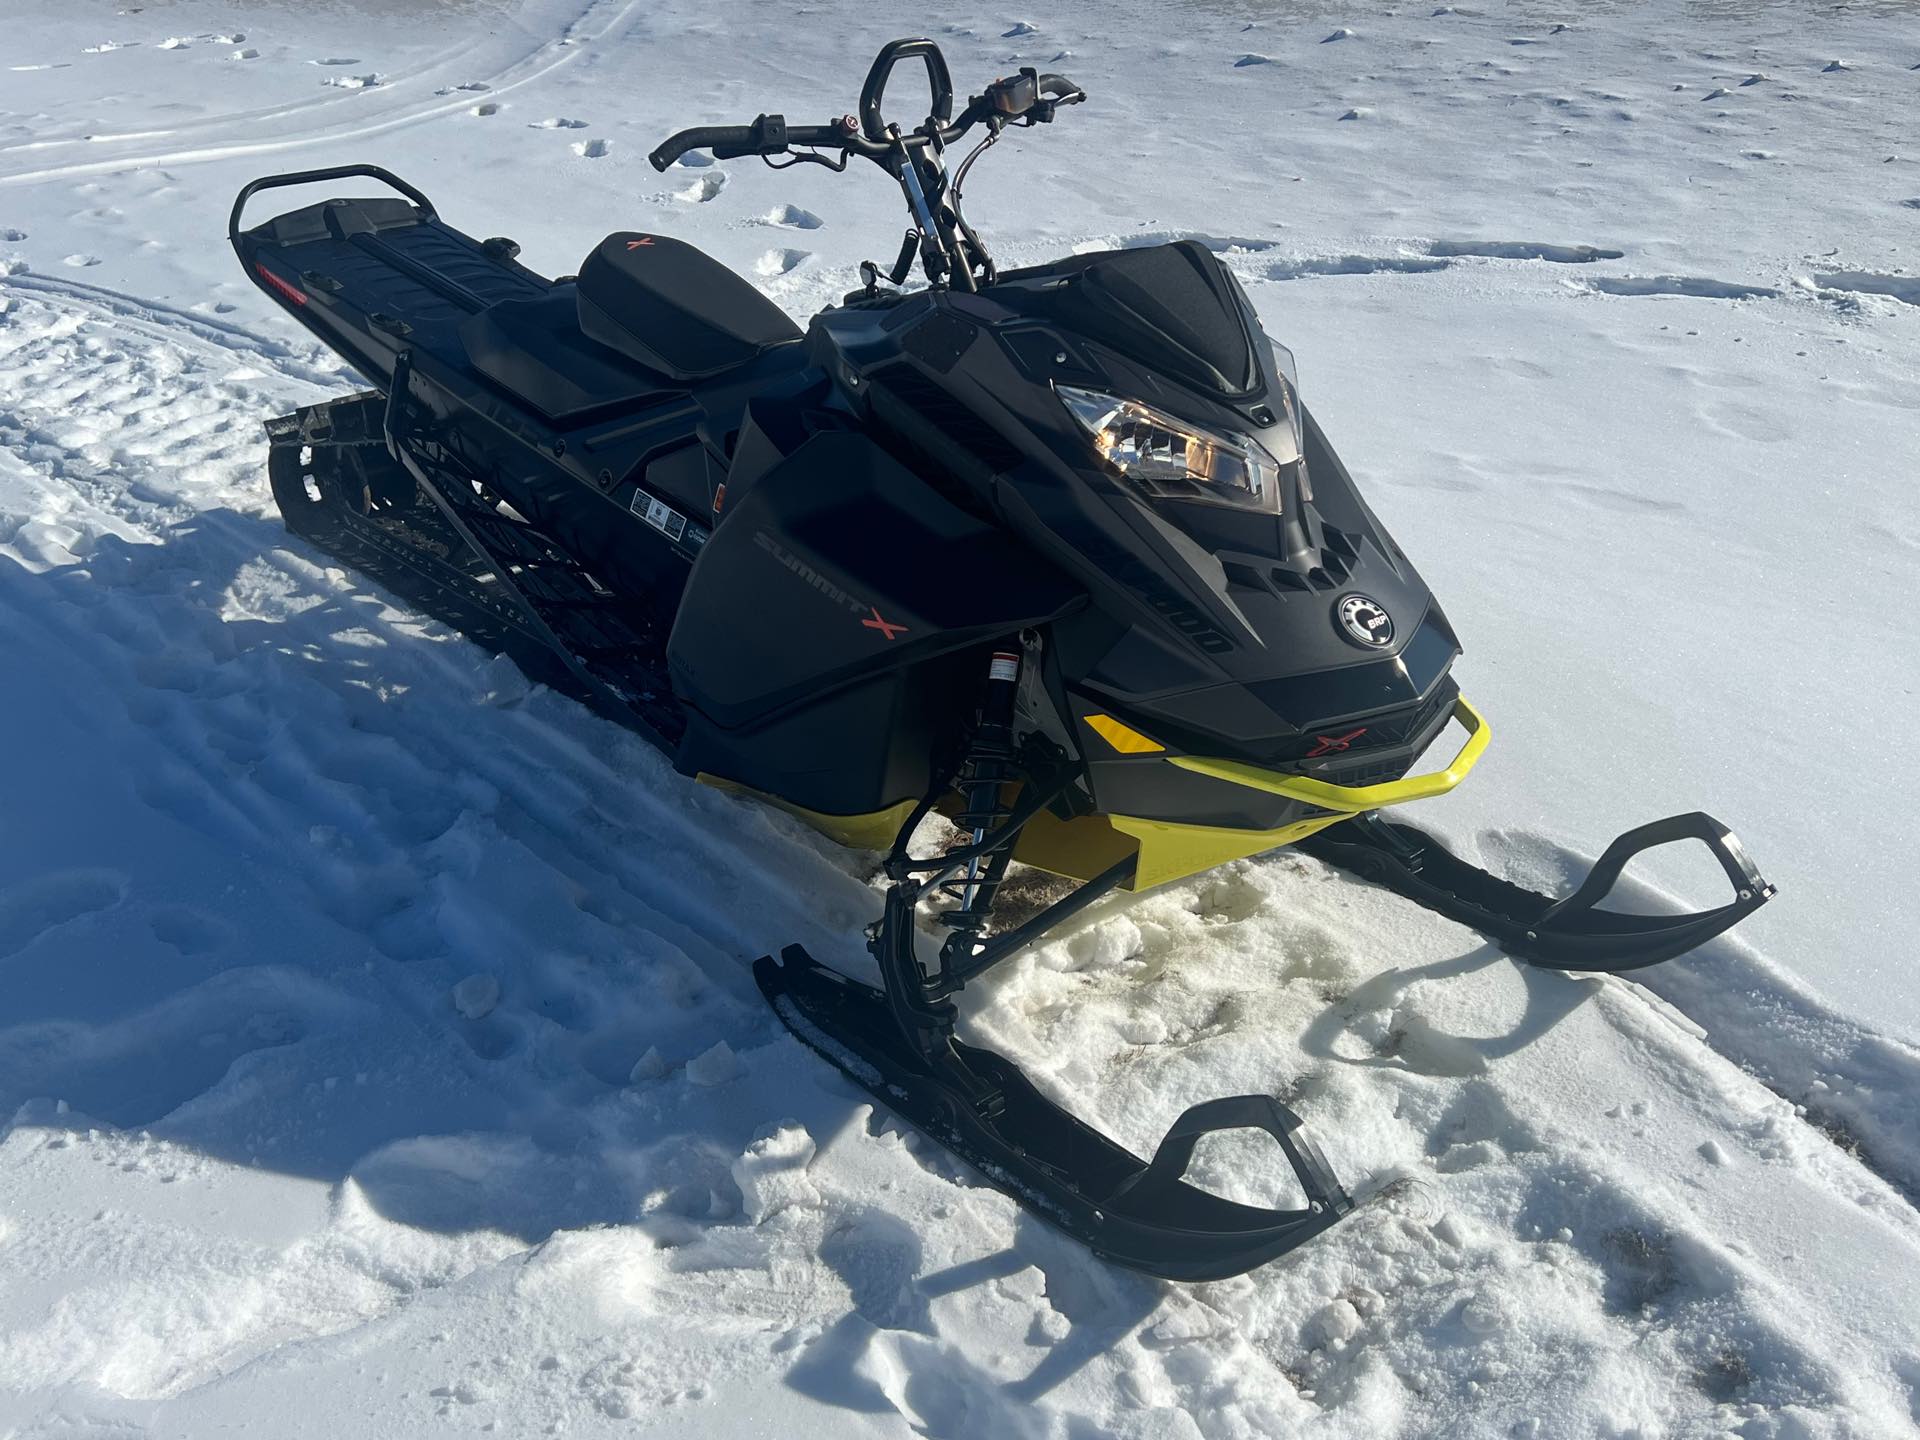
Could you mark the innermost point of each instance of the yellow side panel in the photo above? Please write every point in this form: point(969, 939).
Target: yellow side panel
point(1077, 849)
point(873, 831)
point(1082, 848)
point(1173, 852)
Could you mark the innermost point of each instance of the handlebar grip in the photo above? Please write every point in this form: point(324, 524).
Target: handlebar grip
point(1061, 89)
point(726, 142)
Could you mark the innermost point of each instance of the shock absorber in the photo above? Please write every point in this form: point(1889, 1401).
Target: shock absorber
point(982, 781)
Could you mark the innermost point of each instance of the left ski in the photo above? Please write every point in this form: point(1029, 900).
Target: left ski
point(1136, 1213)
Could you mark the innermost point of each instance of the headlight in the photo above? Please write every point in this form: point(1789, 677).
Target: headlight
point(1176, 459)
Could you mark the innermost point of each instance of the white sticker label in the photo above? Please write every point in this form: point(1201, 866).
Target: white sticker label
point(661, 516)
point(1004, 667)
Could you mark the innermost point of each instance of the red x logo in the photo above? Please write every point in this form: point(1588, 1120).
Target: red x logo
point(1334, 744)
point(884, 626)
point(636, 244)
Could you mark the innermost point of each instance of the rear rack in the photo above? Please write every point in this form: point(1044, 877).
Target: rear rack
point(331, 172)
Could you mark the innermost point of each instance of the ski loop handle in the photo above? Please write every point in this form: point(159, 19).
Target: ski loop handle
point(1158, 1185)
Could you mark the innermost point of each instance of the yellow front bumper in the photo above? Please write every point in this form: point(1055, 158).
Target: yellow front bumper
point(1082, 848)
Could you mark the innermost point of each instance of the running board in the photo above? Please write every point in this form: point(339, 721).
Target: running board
point(1572, 933)
point(1136, 1213)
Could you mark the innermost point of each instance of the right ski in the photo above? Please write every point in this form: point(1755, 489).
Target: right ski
point(1571, 933)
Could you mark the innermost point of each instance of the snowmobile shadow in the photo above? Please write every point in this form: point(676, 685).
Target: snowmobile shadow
point(242, 930)
point(1409, 1041)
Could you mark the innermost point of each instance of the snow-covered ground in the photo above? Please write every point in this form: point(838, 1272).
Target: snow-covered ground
point(377, 1035)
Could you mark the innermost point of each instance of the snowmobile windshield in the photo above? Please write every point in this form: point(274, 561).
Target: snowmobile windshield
point(1167, 458)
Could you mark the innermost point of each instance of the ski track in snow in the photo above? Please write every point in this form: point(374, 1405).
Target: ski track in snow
point(379, 1024)
point(308, 123)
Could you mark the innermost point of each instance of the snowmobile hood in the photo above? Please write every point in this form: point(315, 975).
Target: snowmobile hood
point(1240, 629)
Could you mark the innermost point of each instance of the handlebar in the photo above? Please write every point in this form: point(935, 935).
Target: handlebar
point(1027, 97)
point(891, 54)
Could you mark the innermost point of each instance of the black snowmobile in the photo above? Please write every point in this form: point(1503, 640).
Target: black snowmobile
point(1054, 552)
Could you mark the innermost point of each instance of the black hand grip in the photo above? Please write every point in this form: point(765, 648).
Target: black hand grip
point(1061, 89)
point(307, 177)
point(891, 54)
point(726, 142)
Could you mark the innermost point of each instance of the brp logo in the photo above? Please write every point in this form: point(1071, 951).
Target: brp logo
point(1364, 621)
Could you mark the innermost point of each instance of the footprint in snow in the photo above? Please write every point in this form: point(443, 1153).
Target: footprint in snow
point(779, 262)
point(1020, 28)
point(1755, 80)
point(591, 149)
point(694, 160)
point(1246, 60)
point(238, 37)
point(189, 931)
point(247, 54)
point(1341, 34)
point(703, 189)
point(488, 107)
point(1714, 94)
point(107, 47)
point(31, 908)
point(1904, 288)
point(1834, 65)
point(791, 217)
point(1523, 250)
point(1692, 286)
point(335, 60)
point(175, 42)
point(353, 82)
point(557, 122)
point(12, 234)
point(81, 262)
point(1359, 112)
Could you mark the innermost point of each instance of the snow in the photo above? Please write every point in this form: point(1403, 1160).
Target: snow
point(378, 1051)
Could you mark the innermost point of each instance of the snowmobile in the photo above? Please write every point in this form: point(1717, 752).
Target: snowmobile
point(1056, 552)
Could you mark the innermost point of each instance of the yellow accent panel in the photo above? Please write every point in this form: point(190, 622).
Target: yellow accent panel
point(1082, 848)
point(1078, 849)
point(1172, 852)
point(1127, 741)
point(874, 831)
point(1352, 799)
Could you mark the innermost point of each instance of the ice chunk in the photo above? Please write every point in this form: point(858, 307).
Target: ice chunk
point(716, 1066)
point(772, 1172)
point(475, 996)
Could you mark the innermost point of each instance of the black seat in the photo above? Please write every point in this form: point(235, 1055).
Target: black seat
point(533, 349)
point(673, 309)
